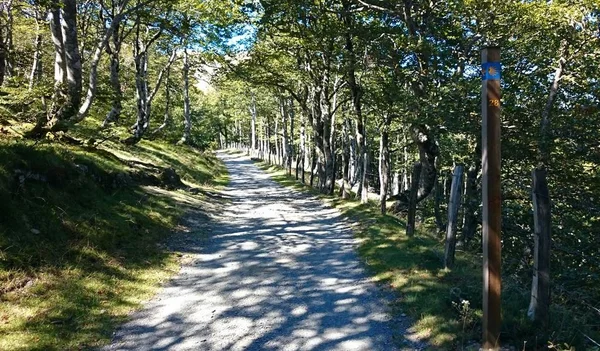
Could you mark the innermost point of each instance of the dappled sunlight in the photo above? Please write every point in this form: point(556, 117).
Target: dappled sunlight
point(279, 271)
point(412, 266)
point(428, 327)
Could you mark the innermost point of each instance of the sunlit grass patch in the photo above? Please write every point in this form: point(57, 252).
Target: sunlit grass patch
point(71, 307)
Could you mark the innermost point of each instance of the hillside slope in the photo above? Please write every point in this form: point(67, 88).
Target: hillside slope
point(83, 233)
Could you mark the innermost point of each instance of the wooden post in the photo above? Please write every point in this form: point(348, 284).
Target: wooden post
point(290, 145)
point(277, 149)
point(540, 288)
point(412, 199)
point(453, 207)
point(253, 123)
point(492, 205)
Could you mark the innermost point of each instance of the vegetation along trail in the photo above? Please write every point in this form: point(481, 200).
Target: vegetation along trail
point(459, 141)
point(279, 272)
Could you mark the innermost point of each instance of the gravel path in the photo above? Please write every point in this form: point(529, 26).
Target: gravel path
point(278, 272)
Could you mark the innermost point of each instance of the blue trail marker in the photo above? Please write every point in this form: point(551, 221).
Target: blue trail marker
point(491, 70)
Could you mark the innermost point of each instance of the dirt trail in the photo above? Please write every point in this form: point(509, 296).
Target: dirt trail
point(277, 272)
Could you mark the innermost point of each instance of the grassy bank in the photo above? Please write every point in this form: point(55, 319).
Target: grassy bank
point(444, 305)
point(83, 233)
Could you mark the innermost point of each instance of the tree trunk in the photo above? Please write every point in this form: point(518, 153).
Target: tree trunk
point(438, 193)
point(346, 145)
point(263, 144)
point(356, 94)
point(115, 80)
point(345, 188)
point(396, 182)
point(277, 149)
point(144, 96)
point(59, 46)
point(412, 200)
point(352, 170)
point(332, 147)
point(63, 27)
point(238, 132)
point(2, 58)
point(7, 60)
point(167, 115)
point(307, 156)
point(428, 151)
point(447, 185)
point(141, 98)
point(59, 70)
point(545, 140)
point(319, 147)
point(302, 149)
point(362, 161)
point(540, 288)
point(53, 120)
point(253, 123)
point(384, 167)
point(290, 138)
point(472, 200)
point(453, 207)
point(141, 85)
point(320, 141)
point(266, 144)
point(187, 117)
point(93, 74)
point(320, 118)
point(284, 136)
point(269, 146)
point(364, 194)
point(72, 56)
point(328, 163)
point(36, 66)
point(313, 158)
point(259, 145)
point(405, 183)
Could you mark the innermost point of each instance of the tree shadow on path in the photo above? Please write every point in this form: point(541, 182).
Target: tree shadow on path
point(277, 272)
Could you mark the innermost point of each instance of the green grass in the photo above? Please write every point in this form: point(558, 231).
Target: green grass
point(79, 248)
